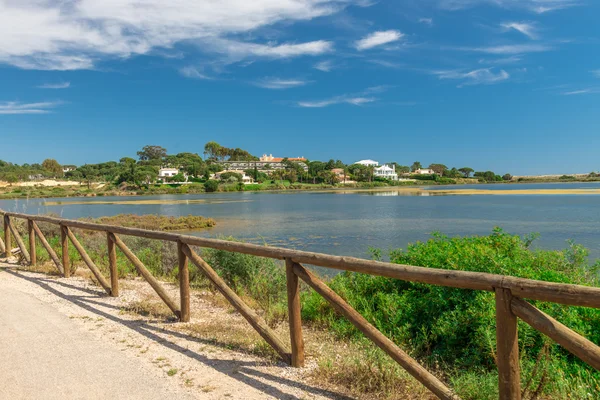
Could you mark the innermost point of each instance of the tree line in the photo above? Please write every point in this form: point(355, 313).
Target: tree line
point(145, 169)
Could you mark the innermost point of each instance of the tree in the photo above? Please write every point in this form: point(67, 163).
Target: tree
point(400, 169)
point(439, 169)
point(150, 153)
point(415, 166)
point(127, 161)
point(453, 173)
point(466, 171)
point(53, 167)
point(507, 177)
point(88, 173)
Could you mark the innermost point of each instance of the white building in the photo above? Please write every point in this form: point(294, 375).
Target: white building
point(246, 180)
point(424, 171)
point(368, 163)
point(386, 172)
point(167, 172)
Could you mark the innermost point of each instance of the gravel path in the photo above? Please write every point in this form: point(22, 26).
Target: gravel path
point(65, 339)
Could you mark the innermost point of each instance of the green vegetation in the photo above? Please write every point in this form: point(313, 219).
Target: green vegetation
point(156, 222)
point(450, 331)
point(455, 329)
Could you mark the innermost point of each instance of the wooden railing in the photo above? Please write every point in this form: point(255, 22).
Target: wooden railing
point(509, 292)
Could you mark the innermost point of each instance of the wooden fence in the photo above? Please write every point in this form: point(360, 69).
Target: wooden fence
point(509, 292)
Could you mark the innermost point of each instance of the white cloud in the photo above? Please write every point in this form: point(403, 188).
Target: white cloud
point(596, 73)
point(238, 50)
point(14, 107)
point(512, 49)
point(576, 92)
point(357, 101)
point(536, 6)
point(526, 28)
point(426, 21)
point(377, 39)
point(193, 73)
point(278, 83)
point(483, 76)
point(75, 34)
point(325, 66)
point(62, 85)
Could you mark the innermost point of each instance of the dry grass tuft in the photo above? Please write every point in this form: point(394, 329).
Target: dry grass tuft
point(231, 334)
point(149, 307)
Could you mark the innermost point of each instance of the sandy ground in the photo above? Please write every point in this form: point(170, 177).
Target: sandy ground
point(45, 182)
point(64, 338)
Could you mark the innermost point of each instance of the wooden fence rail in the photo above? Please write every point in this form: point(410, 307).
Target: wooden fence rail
point(509, 292)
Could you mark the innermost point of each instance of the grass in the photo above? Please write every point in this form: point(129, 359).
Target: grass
point(156, 222)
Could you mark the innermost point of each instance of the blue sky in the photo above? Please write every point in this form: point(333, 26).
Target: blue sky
point(507, 85)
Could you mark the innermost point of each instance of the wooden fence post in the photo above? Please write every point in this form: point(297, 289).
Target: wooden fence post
point(507, 347)
point(295, 317)
point(48, 248)
point(88, 261)
point(64, 240)
point(7, 243)
point(31, 232)
point(20, 243)
point(112, 266)
point(184, 284)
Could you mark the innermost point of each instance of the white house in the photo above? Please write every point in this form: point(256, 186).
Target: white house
point(424, 171)
point(246, 180)
point(368, 163)
point(386, 172)
point(167, 172)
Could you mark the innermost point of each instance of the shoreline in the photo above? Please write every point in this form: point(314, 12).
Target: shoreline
point(427, 188)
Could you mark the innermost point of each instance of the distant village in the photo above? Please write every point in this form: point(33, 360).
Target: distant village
point(234, 165)
point(269, 163)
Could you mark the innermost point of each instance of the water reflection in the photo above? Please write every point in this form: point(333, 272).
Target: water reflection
point(349, 222)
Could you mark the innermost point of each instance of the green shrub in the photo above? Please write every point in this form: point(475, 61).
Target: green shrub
point(261, 279)
point(211, 185)
point(455, 328)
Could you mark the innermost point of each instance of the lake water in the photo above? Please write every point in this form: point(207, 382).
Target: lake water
point(348, 223)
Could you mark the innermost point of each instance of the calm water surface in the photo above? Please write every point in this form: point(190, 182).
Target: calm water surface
point(348, 223)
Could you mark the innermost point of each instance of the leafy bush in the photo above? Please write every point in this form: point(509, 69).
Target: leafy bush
point(260, 279)
point(455, 328)
point(211, 185)
point(567, 178)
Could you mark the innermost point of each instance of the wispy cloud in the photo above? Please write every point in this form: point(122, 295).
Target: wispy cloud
point(377, 39)
point(526, 28)
point(483, 76)
point(499, 61)
point(385, 63)
point(62, 85)
point(194, 73)
point(15, 107)
point(68, 35)
point(278, 83)
point(355, 99)
point(576, 92)
point(325, 66)
point(536, 6)
point(236, 50)
point(509, 49)
point(596, 73)
point(426, 21)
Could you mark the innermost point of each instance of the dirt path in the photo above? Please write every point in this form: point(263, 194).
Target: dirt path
point(64, 339)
